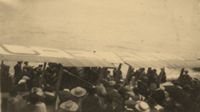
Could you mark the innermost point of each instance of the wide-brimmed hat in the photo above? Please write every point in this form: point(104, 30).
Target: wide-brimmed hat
point(142, 106)
point(69, 106)
point(78, 92)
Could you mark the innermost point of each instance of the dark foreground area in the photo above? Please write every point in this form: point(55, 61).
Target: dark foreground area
point(96, 89)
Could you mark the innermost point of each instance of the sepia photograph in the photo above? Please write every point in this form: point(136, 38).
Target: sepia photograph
point(99, 55)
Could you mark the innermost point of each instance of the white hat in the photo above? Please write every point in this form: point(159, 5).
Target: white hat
point(38, 91)
point(69, 106)
point(142, 106)
point(22, 81)
point(78, 92)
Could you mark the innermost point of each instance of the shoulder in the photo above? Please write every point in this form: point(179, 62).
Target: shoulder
point(40, 104)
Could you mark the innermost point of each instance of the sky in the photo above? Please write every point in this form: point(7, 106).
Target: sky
point(110, 25)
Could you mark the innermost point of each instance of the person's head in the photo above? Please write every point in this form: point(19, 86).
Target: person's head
point(91, 90)
point(154, 71)
point(149, 69)
point(36, 95)
point(78, 92)
point(19, 62)
point(186, 71)
point(26, 63)
point(162, 69)
point(65, 95)
point(142, 106)
point(143, 69)
point(40, 66)
point(130, 104)
point(69, 106)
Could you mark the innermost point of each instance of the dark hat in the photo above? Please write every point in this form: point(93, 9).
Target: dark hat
point(19, 62)
point(26, 62)
point(65, 95)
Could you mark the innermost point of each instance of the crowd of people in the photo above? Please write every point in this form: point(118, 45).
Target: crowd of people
point(98, 89)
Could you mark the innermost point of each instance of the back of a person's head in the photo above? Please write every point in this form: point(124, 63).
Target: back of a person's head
point(91, 91)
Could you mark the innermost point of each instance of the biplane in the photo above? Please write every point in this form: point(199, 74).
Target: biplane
point(75, 58)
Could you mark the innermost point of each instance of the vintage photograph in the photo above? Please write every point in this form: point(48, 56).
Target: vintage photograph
point(99, 55)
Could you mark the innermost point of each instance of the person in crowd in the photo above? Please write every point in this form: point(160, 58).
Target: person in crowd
point(16, 101)
point(117, 73)
point(142, 106)
point(129, 105)
point(91, 102)
point(6, 79)
point(113, 99)
point(162, 76)
point(18, 71)
point(26, 68)
point(78, 94)
point(64, 95)
point(36, 103)
point(102, 92)
point(68, 106)
point(129, 75)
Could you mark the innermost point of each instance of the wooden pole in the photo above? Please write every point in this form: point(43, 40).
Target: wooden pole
point(1, 72)
point(43, 73)
point(60, 74)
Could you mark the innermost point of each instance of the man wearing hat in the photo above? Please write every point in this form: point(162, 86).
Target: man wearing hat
point(68, 106)
point(18, 71)
point(78, 94)
point(142, 106)
point(35, 101)
point(130, 105)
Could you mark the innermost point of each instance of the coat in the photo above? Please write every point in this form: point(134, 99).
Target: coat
point(38, 107)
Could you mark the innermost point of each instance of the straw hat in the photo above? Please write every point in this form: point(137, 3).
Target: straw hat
point(78, 92)
point(142, 106)
point(69, 106)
